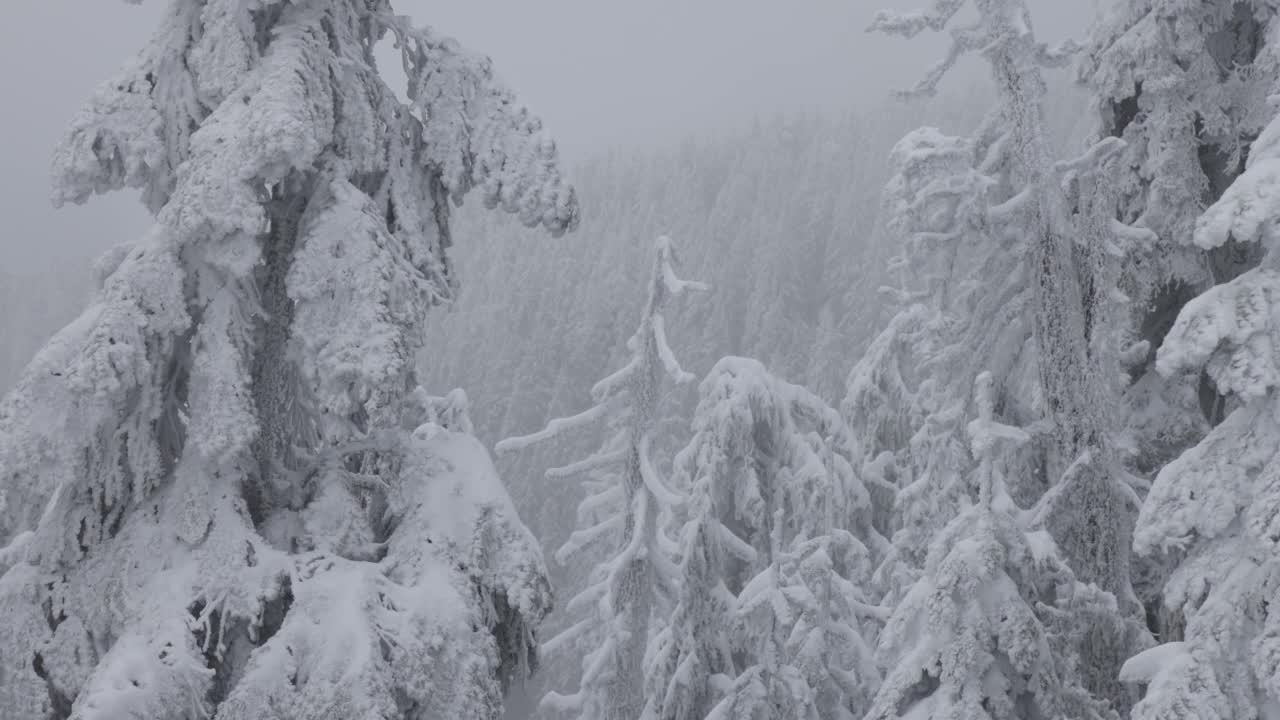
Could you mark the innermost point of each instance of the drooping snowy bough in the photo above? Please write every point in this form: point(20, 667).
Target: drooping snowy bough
point(1218, 504)
point(220, 492)
point(621, 516)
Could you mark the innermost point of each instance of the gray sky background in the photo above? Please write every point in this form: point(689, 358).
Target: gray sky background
point(600, 72)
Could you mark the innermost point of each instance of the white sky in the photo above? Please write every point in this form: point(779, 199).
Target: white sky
point(600, 72)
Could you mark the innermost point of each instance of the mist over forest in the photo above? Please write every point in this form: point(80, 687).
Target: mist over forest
point(710, 361)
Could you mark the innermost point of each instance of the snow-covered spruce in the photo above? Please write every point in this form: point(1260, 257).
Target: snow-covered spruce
point(1090, 506)
point(1218, 504)
point(621, 516)
point(964, 299)
point(1185, 86)
point(221, 492)
point(771, 617)
point(981, 633)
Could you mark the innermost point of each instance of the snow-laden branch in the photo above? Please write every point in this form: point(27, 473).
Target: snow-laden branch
point(735, 545)
point(674, 285)
point(599, 461)
point(1095, 157)
point(1011, 208)
point(553, 429)
point(984, 430)
point(478, 135)
point(588, 536)
point(565, 639)
point(913, 23)
point(677, 374)
point(652, 481)
point(591, 504)
point(615, 382)
point(963, 40)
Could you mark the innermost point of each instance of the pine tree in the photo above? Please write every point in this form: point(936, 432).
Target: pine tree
point(624, 511)
point(770, 614)
point(220, 490)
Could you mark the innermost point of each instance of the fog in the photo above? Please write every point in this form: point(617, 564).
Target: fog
point(754, 137)
point(601, 74)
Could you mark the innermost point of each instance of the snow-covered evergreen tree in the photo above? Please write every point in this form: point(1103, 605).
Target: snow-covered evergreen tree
point(622, 514)
point(981, 632)
point(1090, 506)
point(1185, 86)
point(1218, 503)
point(770, 616)
point(964, 300)
point(220, 491)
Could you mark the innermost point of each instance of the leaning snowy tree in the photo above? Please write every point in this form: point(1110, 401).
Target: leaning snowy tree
point(770, 620)
point(627, 502)
point(1090, 507)
point(221, 492)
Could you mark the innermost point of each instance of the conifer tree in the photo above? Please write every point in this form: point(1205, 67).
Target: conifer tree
point(1185, 86)
point(623, 512)
point(770, 616)
point(980, 634)
point(1217, 505)
point(963, 301)
point(1090, 504)
point(220, 492)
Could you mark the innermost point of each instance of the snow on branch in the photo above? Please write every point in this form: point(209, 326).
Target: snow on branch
point(478, 136)
point(1247, 210)
point(675, 285)
point(1229, 331)
point(588, 536)
point(600, 500)
point(1144, 666)
point(963, 40)
point(553, 429)
point(613, 383)
point(984, 430)
point(998, 23)
point(1010, 208)
point(1097, 155)
point(590, 464)
point(652, 482)
point(669, 362)
point(913, 23)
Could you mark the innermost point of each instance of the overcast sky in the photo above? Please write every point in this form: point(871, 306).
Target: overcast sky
point(600, 72)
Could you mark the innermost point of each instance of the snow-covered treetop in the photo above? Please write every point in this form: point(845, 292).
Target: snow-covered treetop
point(1002, 25)
point(219, 81)
point(745, 412)
point(243, 119)
point(984, 431)
point(649, 349)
